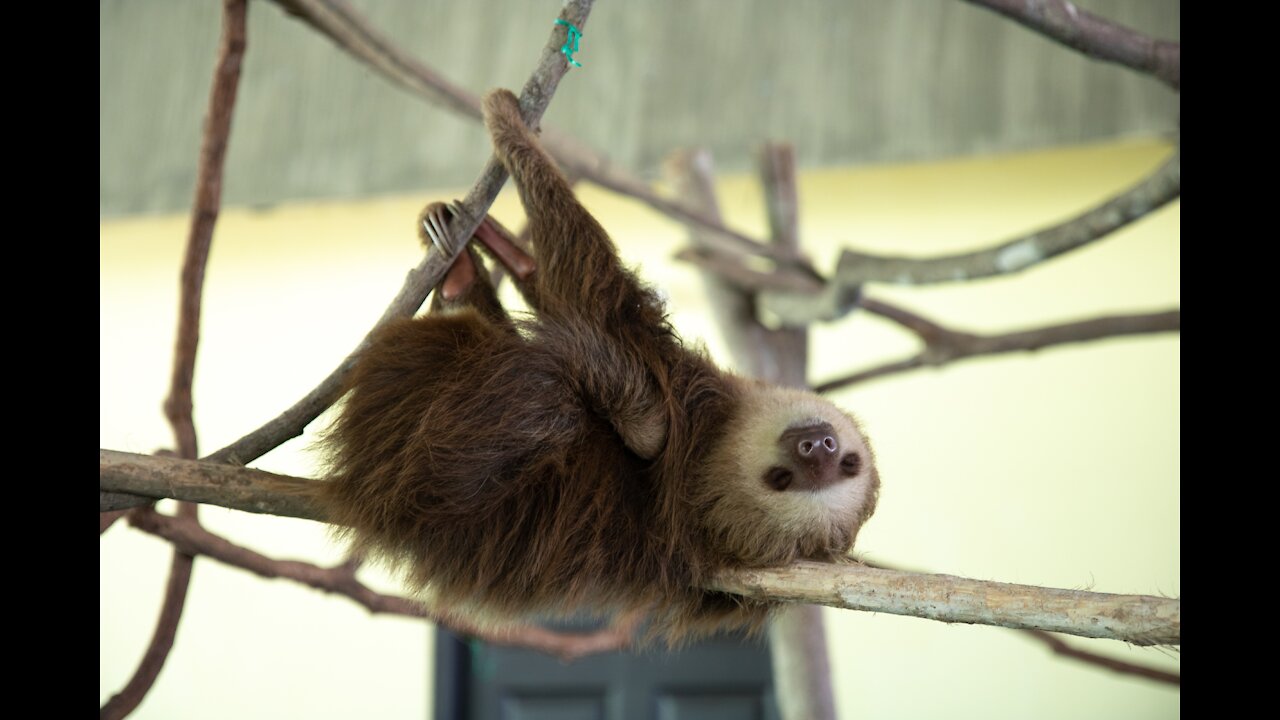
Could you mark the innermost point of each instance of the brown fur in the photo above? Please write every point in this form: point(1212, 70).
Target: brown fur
point(580, 461)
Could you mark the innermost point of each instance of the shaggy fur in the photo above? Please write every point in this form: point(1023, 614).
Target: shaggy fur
point(581, 461)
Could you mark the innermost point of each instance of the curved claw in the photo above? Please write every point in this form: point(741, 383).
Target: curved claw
point(436, 226)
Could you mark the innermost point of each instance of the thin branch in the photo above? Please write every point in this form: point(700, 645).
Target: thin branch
point(353, 34)
point(1061, 647)
point(854, 269)
point(943, 346)
point(1138, 619)
point(189, 537)
point(1095, 36)
point(534, 98)
point(107, 518)
point(153, 659)
point(178, 405)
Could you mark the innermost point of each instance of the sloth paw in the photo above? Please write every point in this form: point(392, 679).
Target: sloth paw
point(435, 220)
point(503, 119)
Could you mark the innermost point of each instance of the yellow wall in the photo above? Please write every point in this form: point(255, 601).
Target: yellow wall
point(1059, 468)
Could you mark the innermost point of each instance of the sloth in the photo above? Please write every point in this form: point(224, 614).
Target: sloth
point(579, 460)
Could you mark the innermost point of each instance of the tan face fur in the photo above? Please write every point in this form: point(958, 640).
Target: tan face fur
point(761, 506)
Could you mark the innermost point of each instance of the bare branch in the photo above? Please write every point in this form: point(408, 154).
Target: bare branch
point(1137, 619)
point(1140, 620)
point(855, 269)
point(178, 405)
point(203, 481)
point(153, 659)
point(1061, 647)
point(534, 98)
point(1097, 37)
point(189, 537)
point(353, 34)
point(943, 345)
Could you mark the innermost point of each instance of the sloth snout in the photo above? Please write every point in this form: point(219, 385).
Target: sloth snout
point(815, 447)
point(825, 444)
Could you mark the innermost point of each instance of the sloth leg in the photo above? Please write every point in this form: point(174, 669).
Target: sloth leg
point(581, 285)
point(579, 276)
point(465, 284)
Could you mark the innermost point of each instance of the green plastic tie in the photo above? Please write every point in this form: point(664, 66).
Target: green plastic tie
point(574, 36)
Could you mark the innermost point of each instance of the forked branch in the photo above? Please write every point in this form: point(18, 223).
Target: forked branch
point(189, 537)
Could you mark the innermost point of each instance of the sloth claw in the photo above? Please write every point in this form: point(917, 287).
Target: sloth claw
point(435, 225)
point(435, 231)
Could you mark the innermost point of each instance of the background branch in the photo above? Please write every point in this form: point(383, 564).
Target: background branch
point(1061, 647)
point(1141, 620)
point(855, 269)
point(942, 345)
point(189, 537)
point(178, 405)
point(355, 35)
point(1097, 37)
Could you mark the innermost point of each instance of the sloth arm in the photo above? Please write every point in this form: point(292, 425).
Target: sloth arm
point(594, 313)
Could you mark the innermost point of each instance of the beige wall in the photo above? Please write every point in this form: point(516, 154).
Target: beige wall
point(1059, 468)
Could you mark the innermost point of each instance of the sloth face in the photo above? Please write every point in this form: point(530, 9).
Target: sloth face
point(793, 478)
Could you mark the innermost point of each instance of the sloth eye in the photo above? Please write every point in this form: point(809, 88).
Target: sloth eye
point(778, 478)
point(850, 464)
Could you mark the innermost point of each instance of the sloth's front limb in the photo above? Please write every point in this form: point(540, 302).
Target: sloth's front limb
point(580, 278)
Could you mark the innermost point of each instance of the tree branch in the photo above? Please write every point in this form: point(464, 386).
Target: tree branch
point(856, 269)
point(189, 537)
point(1097, 37)
point(1136, 619)
point(943, 346)
point(1141, 620)
point(1060, 647)
point(178, 405)
point(534, 98)
point(353, 34)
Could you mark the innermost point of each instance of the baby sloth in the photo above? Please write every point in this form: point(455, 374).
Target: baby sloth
point(581, 460)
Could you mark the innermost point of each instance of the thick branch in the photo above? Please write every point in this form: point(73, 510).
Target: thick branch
point(534, 98)
point(1060, 647)
point(942, 345)
point(202, 481)
point(1140, 620)
point(1094, 36)
point(189, 537)
point(1137, 619)
point(855, 269)
point(178, 405)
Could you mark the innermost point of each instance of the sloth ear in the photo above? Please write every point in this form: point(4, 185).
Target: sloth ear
point(643, 429)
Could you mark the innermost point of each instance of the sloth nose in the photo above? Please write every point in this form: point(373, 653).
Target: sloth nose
point(816, 447)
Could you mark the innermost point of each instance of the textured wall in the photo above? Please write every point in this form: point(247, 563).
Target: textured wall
point(848, 82)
